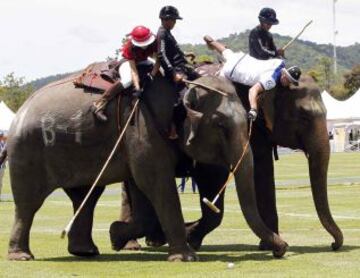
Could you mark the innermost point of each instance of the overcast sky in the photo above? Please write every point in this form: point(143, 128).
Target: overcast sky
point(46, 37)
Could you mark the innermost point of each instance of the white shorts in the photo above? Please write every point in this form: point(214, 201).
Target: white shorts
point(231, 59)
point(125, 72)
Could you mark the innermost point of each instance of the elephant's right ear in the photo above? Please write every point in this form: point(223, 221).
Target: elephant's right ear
point(190, 103)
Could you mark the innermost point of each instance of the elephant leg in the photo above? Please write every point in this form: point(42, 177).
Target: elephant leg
point(126, 215)
point(80, 239)
point(264, 181)
point(210, 179)
point(139, 224)
point(28, 198)
point(163, 196)
point(156, 237)
point(19, 240)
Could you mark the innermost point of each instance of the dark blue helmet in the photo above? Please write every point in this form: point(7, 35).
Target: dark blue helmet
point(293, 73)
point(169, 12)
point(268, 15)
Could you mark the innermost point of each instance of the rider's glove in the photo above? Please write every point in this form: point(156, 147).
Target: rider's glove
point(252, 115)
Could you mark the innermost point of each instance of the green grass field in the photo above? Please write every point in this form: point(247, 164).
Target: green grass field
point(309, 254)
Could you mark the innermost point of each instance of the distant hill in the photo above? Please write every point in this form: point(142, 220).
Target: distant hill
point(303, 53)
point(41, 82)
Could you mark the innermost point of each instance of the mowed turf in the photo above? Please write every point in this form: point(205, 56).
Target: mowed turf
point(309, 254)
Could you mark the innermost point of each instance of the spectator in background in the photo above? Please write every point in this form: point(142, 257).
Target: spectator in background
point(261, 42)
point(2, 167)
point(183, 182)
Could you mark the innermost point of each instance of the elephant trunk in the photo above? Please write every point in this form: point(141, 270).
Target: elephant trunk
point(318, 151)
point(246, 194)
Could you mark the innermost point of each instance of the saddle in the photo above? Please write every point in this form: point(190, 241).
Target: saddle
point(209, 69)
point(98, 76)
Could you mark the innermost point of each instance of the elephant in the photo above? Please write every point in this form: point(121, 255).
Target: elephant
point(291, 117)
point(56, 142)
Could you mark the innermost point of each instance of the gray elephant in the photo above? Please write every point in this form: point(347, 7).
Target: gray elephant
point(294, 118)
point(55, 142)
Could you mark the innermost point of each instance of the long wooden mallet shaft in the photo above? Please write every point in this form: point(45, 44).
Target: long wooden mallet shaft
point(205, 86)
point(71, 222)
point(298, 35)
point(211, 205)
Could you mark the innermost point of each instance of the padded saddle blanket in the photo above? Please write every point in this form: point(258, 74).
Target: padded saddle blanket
point(98, 76)
point(209, 69)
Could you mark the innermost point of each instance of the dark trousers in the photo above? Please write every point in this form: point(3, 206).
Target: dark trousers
point(183, 182)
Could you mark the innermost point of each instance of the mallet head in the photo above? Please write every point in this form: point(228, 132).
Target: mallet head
point(211, 205)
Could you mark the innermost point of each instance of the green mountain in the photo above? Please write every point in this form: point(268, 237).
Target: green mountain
point(306, 54)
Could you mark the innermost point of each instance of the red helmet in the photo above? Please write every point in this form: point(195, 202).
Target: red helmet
point(141, 36)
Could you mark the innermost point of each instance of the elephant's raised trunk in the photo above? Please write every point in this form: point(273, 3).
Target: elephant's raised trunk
point(246, 194)
point(318, 156)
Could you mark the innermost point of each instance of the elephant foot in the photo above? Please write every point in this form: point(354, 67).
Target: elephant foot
point(193, 237)
point(155, 242)
point(280, 250)
point(265, 246)
point(84, 251)
point(194, 242)
point(182, 254)
point(20, 256)
point(133, 245)
point(188, 256)
point(117, 242)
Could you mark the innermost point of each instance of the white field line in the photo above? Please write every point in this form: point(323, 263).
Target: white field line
point(308, 215)
point(218, 230)
point(227, 210)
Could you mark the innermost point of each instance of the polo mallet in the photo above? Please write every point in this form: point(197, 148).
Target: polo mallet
point(205, 86)
point(71, 222)
point(298, 35)
point(211, 205)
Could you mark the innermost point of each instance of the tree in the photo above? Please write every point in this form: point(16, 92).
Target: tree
point(322, 73)
point(13, 91)
point(352, 80)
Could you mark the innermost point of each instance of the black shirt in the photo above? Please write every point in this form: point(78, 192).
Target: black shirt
point(261, 44)
point(169, 53)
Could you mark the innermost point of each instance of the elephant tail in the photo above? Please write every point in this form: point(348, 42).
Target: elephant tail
point(3, 155)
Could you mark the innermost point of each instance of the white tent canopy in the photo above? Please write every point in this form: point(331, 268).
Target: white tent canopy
point(347, 109)
point(6, 117)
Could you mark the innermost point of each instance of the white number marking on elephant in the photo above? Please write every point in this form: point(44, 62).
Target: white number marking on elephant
point(77, 125)
point(48, 130)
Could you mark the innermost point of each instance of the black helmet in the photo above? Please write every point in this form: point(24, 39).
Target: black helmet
point(268, 15)
point(293, 73)
point(169, 12)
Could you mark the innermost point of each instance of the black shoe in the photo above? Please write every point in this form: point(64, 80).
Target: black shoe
point(138, 94)
point(99, 114)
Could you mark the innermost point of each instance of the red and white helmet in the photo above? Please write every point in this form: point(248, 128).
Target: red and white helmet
point(142, 36)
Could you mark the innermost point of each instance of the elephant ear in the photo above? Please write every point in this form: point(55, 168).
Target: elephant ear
point(194, 117)
point(267, 103)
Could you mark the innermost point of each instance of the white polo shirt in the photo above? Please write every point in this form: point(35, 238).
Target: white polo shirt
point(242, 68)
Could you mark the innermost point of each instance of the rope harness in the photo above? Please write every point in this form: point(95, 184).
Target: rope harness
point(68, 227)
point(210, 204)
